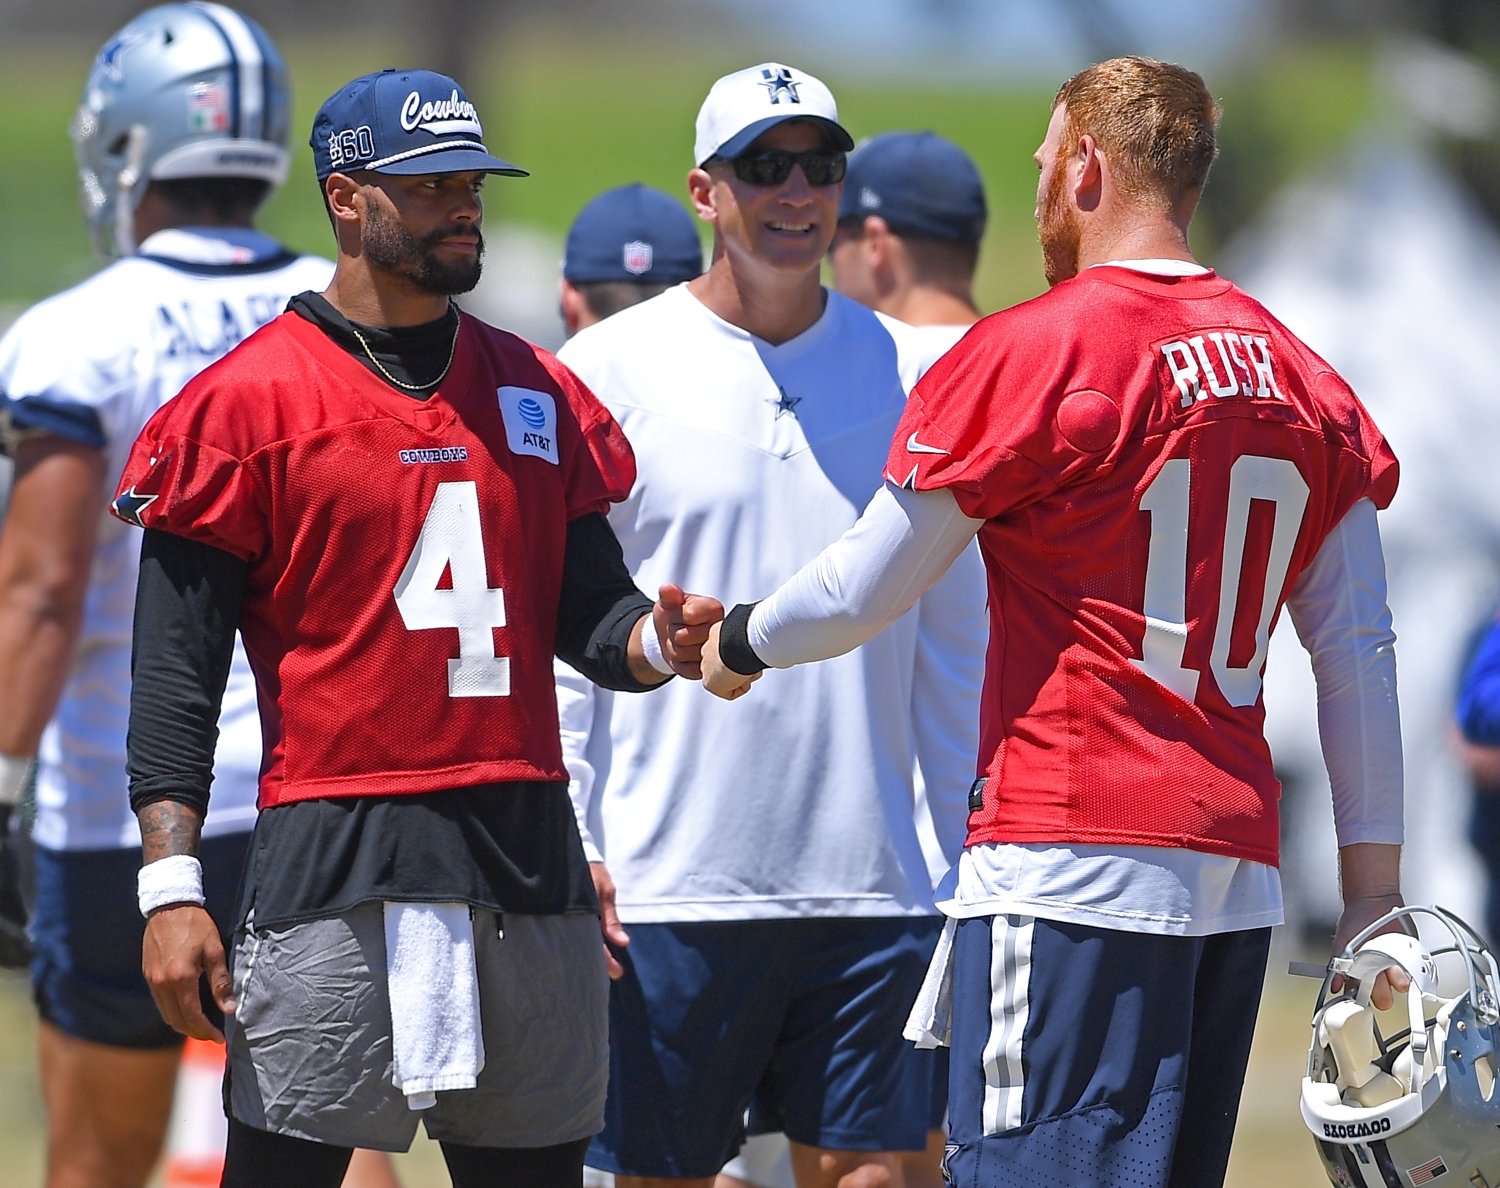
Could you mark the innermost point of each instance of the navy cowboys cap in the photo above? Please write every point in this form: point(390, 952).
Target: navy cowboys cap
point(403, 122)
point(919, 183)
point(633, 234)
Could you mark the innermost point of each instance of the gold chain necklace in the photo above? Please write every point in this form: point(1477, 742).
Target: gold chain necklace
point(452, 352)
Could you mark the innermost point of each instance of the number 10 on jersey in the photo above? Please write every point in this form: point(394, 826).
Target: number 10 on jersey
point(1167, 499)
point(452, 539)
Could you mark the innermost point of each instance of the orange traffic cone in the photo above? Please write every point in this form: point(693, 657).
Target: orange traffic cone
point(195, 1143)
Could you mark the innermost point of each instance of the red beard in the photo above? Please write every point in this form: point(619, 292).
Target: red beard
point(1059, 231)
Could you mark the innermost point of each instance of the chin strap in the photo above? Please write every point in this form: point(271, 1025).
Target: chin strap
point(135, 156)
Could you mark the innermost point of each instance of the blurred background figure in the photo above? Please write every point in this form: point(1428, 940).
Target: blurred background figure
point(625, 246)
point(1479, 724)
point(910, 223)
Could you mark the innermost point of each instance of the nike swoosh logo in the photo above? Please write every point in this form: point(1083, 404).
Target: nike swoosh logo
point(913, 446)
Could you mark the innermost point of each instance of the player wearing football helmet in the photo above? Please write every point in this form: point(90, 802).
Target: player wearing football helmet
point(1419, 1103)
point(373, 481)
point(1153, 466)
point(180, 136)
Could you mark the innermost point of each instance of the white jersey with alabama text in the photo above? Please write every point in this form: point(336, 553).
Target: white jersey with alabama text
point(797, 800)
point(93, 364)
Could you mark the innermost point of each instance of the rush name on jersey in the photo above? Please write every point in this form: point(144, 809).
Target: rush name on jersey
point(1158, 459)
point(405, 556)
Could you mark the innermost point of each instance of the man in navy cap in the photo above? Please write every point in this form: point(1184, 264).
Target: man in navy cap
point(910, 222)
point(368, 484)
point(625, 246)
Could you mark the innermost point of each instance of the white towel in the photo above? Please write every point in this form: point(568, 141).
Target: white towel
point(436, 1042)
point(930, 1024)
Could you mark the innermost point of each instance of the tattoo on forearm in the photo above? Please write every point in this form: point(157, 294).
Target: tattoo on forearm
point(167, 828)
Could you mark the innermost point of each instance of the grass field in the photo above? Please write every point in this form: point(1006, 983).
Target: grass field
point(1271, 1147)
point(583, 116)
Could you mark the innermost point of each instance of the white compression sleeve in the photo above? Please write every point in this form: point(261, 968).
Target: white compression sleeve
point(864, 581)
point(1339, 609)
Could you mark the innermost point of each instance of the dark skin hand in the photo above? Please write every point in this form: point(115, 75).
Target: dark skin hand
point(182, 942)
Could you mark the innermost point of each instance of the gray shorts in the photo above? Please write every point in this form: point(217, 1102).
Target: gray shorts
point(310, 1044)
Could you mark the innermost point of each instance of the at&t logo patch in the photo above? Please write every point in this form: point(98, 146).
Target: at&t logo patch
point(530, 422)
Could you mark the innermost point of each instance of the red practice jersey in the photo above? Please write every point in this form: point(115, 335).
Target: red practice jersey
point(1157, 460)
point(405, 556)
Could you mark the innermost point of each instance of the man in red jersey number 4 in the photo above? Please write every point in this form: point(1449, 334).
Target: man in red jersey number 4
point(1154, 466)
point(402, 510)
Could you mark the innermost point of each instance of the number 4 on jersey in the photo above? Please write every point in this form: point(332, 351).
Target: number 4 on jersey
point(1167, 499)
point(451, 539)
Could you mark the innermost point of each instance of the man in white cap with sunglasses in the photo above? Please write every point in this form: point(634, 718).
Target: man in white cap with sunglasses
point(763, 887)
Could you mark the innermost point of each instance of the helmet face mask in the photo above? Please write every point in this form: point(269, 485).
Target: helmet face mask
point(184, 90)
point(1421, 1102)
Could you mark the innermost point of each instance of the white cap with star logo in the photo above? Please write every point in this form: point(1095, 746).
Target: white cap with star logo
point(742, 105)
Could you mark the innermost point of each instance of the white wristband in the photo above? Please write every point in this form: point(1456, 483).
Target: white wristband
point(177, 878)
point(12, 777)
point(651, 646)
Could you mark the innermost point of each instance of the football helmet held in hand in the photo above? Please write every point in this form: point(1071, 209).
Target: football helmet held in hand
point(1390, 1111)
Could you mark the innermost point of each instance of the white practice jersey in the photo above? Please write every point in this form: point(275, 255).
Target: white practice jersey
point(797, 800)
point(92, 365)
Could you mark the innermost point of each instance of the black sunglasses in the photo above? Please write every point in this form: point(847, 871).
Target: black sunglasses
point(771, 167)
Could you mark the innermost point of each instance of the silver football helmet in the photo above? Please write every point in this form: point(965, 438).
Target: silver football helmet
point(184, 90)
point(1389, 1111)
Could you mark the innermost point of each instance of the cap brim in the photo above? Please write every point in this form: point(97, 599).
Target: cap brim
point(746, 136)
point(455, 160)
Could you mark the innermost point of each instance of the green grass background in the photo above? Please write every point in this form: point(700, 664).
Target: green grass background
point(583, 116)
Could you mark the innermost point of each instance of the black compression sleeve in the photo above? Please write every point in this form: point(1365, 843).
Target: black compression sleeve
point(187, 607)
point(599, 606)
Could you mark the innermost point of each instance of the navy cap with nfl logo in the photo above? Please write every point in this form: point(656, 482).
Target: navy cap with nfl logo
point(403, 122)
point(919, 183)
point(633, 234)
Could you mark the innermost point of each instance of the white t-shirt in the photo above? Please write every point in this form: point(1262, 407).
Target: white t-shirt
point(798, 800)
point(93, 364)
point(922, 346)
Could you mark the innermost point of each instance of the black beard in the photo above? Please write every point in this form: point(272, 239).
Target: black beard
point(389, 245)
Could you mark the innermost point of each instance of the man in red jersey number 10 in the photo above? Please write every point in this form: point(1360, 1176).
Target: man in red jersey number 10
point(1154, 466)
point(402, 510)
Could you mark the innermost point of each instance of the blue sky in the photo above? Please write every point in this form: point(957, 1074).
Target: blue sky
point(1006, 37)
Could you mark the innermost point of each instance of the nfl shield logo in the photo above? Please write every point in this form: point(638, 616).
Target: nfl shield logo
point(637, 257)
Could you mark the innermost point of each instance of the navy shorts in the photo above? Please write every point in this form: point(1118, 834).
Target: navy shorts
point(802, 1016)
point(87, 930)
point(1087, 1057)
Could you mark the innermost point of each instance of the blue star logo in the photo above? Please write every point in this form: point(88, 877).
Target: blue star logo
point(110, 55)
point(786, 403)
point(779, 82)
point(130, 505)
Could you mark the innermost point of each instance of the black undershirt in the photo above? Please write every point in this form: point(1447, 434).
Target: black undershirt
point(415, 355)
point(504, 846)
